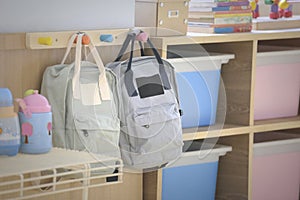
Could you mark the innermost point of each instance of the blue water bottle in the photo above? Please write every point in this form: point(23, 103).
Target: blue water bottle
point(9, 125)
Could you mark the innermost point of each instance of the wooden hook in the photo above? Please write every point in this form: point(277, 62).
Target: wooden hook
point(85, 40)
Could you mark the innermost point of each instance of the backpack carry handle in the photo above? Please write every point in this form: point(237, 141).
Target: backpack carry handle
point(102, 82)
point(129, 73)
point(125, 45)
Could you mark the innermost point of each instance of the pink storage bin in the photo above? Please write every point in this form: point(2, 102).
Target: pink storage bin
point(276, 168)
point(277, 84)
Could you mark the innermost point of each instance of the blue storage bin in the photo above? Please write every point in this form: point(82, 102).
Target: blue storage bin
point(198, 80)
point(193, 176)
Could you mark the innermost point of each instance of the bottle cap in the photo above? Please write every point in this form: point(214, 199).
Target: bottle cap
point(6, 99)
point(36, 103)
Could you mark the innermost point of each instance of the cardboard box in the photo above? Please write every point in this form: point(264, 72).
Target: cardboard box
point(162, 17)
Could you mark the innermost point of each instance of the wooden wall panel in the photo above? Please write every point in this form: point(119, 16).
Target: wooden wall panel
point(130, 189)
point(295, 42)
point(233, 174)
point(236, 76)
point(12, 41)
point(22, 69)
point(152, 185)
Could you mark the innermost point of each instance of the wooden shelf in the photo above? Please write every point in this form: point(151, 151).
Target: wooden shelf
point(232, 129)
point(276, 124)
point(214, 131)
point(202, 38)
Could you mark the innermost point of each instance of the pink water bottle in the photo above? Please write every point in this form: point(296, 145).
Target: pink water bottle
point(36, 123)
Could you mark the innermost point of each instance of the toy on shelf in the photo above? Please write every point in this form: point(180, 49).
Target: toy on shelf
point(255, 8)
point(279, 8)
point(285, 9)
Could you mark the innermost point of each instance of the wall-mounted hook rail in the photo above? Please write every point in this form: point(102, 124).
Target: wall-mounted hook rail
point(51, 40)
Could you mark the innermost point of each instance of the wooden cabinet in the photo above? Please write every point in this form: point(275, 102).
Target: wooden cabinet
point(22, 68)
point(238, 127)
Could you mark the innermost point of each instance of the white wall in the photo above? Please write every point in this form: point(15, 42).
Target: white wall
point(61, 15)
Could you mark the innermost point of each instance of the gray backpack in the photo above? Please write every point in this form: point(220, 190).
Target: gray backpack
point(151, 133)
point(84, 104)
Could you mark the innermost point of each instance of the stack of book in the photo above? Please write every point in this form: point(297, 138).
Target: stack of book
point(220, 16)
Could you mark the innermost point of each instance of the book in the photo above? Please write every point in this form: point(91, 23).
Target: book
point(229, 28)
point(201, 9)
point(219, 14)
point(231, 8)
point(201, 1)
point(202, 20)
point(223, 20)
point(291, 1)
point(219, 8)
point(212, 14)
point(218, 4)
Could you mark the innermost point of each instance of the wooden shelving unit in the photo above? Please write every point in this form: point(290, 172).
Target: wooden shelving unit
point(22, 68)
point(239, 128)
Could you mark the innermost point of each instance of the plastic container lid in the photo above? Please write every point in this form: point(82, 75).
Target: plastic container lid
point(273, 143)
point(213, 61)
point(200, 153)
point(6, 98)
point(36, 103)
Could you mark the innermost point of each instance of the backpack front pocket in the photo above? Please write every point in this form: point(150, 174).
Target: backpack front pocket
point(150, 121)
point(97, 136)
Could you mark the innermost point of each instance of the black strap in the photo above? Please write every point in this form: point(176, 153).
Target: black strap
point(126, 44)
point(124, 47)
point(128, 76)
point(162, 71)
point(142, 49)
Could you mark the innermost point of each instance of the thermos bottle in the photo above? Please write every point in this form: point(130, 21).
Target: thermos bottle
point(36, 123)
point(9, 125)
